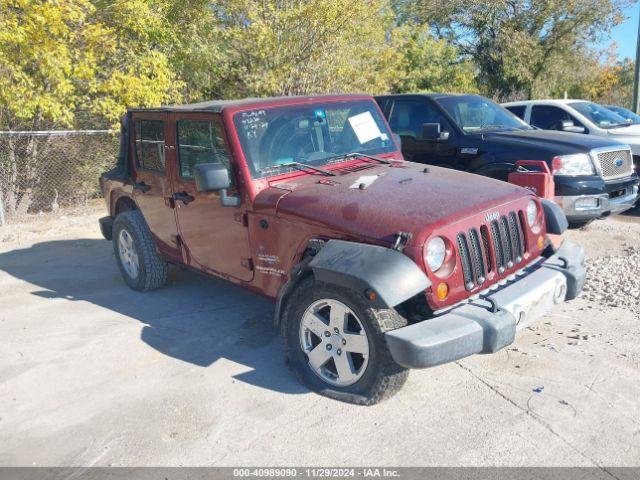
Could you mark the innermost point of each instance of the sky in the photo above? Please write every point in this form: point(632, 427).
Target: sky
point(626, 34)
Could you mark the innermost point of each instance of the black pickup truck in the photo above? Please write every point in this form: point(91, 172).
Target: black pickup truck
point(594, 177)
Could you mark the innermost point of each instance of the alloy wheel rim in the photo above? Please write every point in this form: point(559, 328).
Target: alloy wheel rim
point(128, 254)
point(335, 342)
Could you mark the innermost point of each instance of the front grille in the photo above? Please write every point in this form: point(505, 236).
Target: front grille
point(615, 164)
point(498, 246)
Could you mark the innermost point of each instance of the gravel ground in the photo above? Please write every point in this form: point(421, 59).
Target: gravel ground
point(92, 373)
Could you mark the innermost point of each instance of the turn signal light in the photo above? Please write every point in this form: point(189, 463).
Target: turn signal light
point(540, 242)
point(442, 291)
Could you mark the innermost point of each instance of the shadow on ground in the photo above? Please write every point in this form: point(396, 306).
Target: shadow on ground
point(633, 212)
point(194, 319)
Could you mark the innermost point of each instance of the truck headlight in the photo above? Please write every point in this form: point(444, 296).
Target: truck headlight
point(532, 213)
point(573, 165)
point(435, 253)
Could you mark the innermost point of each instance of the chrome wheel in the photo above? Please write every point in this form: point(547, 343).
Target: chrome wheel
point(128, 254)
point(335, 342)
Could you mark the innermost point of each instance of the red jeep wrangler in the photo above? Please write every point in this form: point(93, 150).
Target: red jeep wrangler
point(376, 265)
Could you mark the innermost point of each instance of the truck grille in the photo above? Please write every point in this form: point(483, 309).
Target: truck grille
point(495, 247)
point(615, 164)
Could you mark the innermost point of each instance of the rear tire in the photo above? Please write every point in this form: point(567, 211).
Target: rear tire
point(320, 320)
point(136, 255)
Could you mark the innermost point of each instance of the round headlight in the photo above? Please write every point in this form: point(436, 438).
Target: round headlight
point(532, 213)
point(436, 251)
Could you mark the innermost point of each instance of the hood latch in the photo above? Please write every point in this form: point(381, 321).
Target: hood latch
point(402, 238)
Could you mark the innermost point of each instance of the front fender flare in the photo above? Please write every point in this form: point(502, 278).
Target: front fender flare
point(360, 267)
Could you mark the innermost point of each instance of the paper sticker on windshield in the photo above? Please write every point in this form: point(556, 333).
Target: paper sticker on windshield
point(365, 127)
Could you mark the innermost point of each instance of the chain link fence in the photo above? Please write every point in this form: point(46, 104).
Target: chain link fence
point(43, 172)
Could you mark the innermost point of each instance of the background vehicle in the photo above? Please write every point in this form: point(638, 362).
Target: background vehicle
point(628, 115)
point(375, 264)
point(580, 116)
point(472, 133)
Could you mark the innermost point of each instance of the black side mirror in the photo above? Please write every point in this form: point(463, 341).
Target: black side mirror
point(569, 126)
point(214, 177)
point(431, 133)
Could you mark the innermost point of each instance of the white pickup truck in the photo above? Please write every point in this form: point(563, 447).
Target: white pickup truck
point(579, 116)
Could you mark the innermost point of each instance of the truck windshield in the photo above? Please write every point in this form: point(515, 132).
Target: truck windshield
point(476, 114)
point(625, 113)
point(601, 116)
point(317, 134)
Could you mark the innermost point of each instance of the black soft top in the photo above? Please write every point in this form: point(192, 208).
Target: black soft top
point(217, 106)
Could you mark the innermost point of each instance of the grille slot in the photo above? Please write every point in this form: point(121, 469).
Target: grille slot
point(516, 236)
point(484, 233)
point(478, 259)
point(497, 246)
point(465, 260)
point(505, 236)
point(615, 164)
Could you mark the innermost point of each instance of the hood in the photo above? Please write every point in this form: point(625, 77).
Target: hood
point(378, 201)
point(550, 141)
point(629, 131)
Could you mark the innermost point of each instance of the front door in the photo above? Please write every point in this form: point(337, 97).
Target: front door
point(152, 169)
point(215, 238)
point(407, 117)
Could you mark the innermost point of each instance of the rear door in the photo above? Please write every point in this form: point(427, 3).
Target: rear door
point(152, 169)
point(215, 238)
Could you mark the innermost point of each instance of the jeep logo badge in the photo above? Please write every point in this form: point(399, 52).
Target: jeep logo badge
point(618, 162)
point(491, 216)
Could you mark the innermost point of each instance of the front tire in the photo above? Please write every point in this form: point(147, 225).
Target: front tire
point(136, 255)
point(335, 344)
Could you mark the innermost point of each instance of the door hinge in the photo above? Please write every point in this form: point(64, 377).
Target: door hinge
point(242, 218)
point(247, 263)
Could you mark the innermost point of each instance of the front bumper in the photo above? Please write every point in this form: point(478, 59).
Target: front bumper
point(489, 323)
point(585, 207)
point(590, 197)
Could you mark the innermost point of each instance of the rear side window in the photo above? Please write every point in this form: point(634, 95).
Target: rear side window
point(517, 110)
point(199, 141)
point(548, 117)
point(150, 144)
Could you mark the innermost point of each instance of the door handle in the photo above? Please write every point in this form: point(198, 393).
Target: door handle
point(183, 197)
point(143, 187)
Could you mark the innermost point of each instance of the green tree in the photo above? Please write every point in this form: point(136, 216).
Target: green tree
point(517, 45)
point(429, 64)
point(64, 57)
point(292, 47)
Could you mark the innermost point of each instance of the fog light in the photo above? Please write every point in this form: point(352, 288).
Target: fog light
point(587, 203)
point(442, 291)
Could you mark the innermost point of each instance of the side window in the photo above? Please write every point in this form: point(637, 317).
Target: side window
point(518, 110)
point(199, 141)
point(408, 116)
point(548, 117)
point(150, 144)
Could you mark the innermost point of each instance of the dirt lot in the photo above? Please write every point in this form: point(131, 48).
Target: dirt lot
point(92, 373)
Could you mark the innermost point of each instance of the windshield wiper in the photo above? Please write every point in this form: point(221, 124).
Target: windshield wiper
point(361, 155)
point(301, 166)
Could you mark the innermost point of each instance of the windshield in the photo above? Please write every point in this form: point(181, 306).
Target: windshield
point(625, 113)
point(474, 114)
point(314, 134)
point(601, 116)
